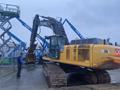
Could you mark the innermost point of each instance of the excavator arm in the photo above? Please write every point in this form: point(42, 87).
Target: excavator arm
point(55, 25)
point(49, 22)
point(30, 54)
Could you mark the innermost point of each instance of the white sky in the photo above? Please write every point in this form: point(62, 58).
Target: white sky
point(93, 18)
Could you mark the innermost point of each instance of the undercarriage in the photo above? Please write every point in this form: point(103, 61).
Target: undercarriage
point(58, 75)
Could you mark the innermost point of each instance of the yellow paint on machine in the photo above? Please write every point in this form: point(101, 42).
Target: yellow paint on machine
point(87, 55)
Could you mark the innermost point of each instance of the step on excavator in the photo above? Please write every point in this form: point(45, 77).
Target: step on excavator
point(85, 60)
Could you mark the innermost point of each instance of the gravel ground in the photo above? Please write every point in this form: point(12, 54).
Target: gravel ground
point(33, 79)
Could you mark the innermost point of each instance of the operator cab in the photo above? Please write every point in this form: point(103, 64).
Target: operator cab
point(56, 44)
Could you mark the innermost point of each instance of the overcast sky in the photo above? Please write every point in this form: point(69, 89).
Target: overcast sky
point(93, 18)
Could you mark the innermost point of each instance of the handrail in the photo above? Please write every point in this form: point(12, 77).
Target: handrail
point(9, 8)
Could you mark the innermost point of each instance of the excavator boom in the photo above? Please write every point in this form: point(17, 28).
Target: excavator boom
point(31, 55)
point(49, 22)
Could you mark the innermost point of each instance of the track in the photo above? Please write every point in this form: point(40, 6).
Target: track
point(56, 76)
point(88, 77)
point(102, 77)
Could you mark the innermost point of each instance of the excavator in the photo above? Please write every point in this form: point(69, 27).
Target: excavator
point(88, 59)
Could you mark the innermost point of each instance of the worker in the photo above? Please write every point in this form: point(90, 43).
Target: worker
point(19, 65)
point(0, 55)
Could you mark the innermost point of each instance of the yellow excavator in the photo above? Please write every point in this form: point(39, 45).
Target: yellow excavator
point(85, 59)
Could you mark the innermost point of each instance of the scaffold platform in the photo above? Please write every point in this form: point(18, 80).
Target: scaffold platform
point(9, 10)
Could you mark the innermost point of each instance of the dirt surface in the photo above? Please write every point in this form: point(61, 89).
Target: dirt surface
point(32, 79)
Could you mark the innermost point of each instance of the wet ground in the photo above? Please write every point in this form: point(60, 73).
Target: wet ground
point(32, 79)
point(115, 76)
